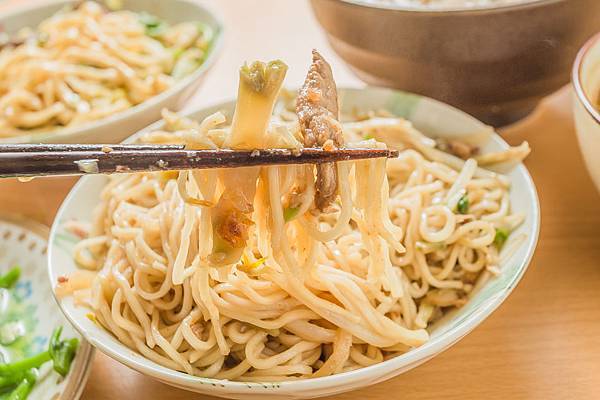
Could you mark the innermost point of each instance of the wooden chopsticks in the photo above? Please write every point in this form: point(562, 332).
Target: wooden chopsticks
point(28, 160)
point(38, 148)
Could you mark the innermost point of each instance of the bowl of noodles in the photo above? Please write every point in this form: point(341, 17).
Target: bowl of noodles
point(298, 281)
point(96, 72)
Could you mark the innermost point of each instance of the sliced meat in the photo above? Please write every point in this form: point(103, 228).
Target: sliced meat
point(317, 105)
point(318, 113)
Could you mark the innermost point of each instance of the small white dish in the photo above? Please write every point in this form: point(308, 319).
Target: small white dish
point(430, 116)
point(586, 83)
point(117, 127)
point(23, 243)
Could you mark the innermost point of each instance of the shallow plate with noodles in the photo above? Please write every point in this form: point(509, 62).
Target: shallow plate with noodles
point(298, 281)
point(96, 72)
point(28, 314)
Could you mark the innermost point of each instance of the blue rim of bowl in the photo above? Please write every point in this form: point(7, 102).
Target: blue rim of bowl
point(213, 53)
point(453, 10)
point(576, 78)
point(423, 353)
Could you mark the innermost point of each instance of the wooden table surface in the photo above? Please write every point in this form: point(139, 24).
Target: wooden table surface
point(542, 343)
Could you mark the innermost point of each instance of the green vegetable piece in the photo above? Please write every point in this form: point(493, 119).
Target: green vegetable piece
point(63, 352)
point(149, 20)
point(258, 90)
point(501, 237)
point(368, 136)
point(155, 32)
point(18, 368)
point(22, 391)
point(187, 62)
point(463, 205)
point(177, 53)
point(23, 373)
point(290, 213)
point(10, 278)
point(9, 382)
point(206, 35)
point(153, 25)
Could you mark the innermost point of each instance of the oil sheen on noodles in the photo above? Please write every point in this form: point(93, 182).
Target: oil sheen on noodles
point(312, 293)
point(88, 63)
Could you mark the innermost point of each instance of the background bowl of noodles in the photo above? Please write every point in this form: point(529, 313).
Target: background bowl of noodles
point(116, 127)
point(431, 117)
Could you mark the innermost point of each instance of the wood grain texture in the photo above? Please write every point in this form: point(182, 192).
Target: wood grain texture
point(542, 343)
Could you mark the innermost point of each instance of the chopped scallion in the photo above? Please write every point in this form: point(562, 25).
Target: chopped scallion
point(463, 205)
point(501, 237)
point(10, 278)
point(290, 213)
point(153, 25)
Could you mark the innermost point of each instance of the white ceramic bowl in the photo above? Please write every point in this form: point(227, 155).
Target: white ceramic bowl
point(586, 83)
point(117, 127)
point(431, 117)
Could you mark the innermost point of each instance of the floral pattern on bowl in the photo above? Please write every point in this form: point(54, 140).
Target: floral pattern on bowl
point(23, 243)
